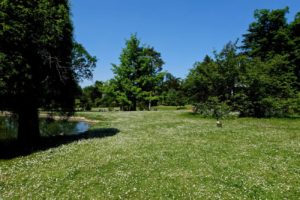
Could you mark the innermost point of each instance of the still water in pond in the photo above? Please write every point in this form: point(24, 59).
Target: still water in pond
point(8, 128)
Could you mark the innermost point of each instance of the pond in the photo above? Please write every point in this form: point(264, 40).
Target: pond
point(8, 127)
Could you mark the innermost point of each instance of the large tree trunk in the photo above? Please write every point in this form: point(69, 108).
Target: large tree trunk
point(133, 108)
point(28, 125)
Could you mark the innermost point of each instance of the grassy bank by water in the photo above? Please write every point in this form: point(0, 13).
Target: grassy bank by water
point(163, 155)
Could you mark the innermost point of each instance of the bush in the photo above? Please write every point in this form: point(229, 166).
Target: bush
point(234, 115)
point(212, 108)
point(273, 107)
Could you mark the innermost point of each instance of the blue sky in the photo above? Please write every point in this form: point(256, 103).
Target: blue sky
point(183, 31)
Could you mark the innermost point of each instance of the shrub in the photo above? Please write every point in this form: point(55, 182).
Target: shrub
point(212, 108)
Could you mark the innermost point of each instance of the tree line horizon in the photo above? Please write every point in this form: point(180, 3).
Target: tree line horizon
point(41, 66)
point(260, 78)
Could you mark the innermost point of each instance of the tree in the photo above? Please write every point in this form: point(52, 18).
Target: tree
point(295, 53)
point(138, 75)
point(268, 35)
point(267, 87)
point(230, 66)
point(172, 93)
point(171, 82)
point(216, 77)
point(273, 44)
point(271, 35)
point(97, 93)
point(199, 84)
point(248, 85)
point(109, 96)
point(261, 81)
point(82, 63)
point(39, 63)
point(91, 96)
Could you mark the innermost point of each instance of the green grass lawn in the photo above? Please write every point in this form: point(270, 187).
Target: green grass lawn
point(164, 155)
point(169, 108)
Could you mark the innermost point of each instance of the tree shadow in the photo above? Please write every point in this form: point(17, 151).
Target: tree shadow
point(11, 148)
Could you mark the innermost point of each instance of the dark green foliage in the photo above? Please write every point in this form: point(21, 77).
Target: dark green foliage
point(138, 76)
point(212, 107)
point(91, 96)
point(109, 97)
point(200, 82)
point(273, 77)
point(36, 44)
point(271, 35)
point(39, 62)
point(260, 81)
point(221, 77)
point(268, 35)
point(173, 97)
point(82, 62)
point(266, 82)
point(295, 52)
point(172, 93)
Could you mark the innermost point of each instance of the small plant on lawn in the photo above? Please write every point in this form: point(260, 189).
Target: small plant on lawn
point(213, 108)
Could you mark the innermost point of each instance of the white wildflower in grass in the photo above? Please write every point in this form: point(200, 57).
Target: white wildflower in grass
point(163, 155)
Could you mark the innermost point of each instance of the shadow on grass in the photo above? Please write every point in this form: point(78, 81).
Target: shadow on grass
point(11, 148)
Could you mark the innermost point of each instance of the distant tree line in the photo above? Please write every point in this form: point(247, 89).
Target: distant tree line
point(139, 82)
point(259, 77)
point(41, 65)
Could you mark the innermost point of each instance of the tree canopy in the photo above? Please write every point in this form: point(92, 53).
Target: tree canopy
point(138, 75)
point(268, 35)
point(259, 79)
point(40, 64)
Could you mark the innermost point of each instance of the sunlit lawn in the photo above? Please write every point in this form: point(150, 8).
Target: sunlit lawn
point(164, 155)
